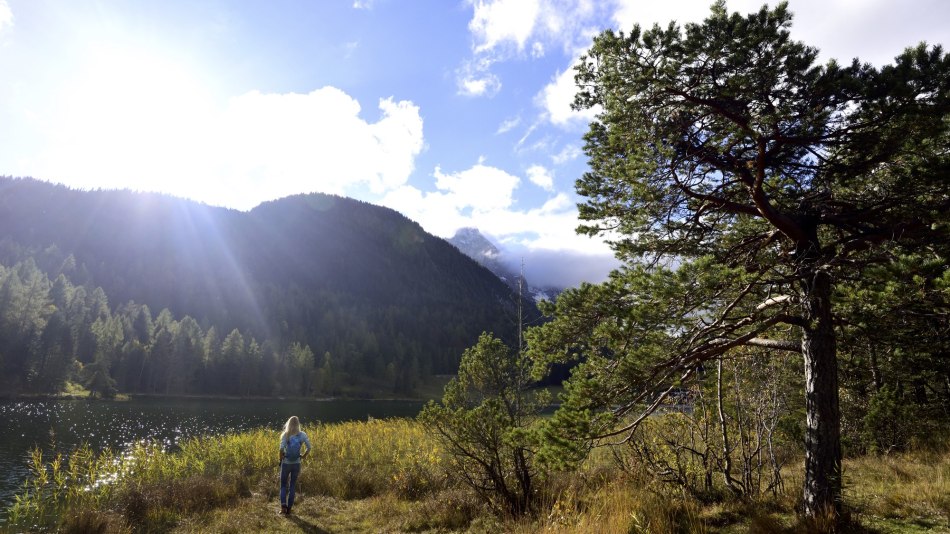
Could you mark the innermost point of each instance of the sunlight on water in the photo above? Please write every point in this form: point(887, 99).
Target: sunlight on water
point(62, 425)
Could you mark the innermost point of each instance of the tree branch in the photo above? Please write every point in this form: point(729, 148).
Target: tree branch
point(780, 344)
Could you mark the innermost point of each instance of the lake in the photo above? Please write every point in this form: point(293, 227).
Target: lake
point(61, 425)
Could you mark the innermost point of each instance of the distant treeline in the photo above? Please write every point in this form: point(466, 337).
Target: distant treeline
point(52, 331)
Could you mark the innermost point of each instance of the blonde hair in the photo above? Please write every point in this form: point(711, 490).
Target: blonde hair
point(291, 428)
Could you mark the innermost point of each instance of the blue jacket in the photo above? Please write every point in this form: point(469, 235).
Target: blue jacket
point(305, 442)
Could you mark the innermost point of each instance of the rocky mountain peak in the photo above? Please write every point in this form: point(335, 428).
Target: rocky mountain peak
point(472, 243)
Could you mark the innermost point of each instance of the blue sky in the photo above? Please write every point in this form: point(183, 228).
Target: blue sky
point(454, 112)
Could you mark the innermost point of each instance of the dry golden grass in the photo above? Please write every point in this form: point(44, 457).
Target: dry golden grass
point(620, 507)
point(390, 476)
point(912, 487)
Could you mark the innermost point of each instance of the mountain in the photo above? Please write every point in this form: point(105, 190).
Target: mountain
point(473, 244)
point(345, 278)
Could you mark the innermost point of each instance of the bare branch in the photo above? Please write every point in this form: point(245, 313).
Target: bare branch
point(780, 344)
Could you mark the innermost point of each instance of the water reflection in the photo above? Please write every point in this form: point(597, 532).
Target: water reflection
point(62, 425)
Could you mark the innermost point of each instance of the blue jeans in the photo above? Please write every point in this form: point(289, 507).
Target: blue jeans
point(288, 483)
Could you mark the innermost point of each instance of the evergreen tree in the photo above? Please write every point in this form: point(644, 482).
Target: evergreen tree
point(485, 421)
point(741, 182)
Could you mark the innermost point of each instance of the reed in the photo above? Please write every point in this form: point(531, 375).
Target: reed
point(365, 458)
point(151, 488)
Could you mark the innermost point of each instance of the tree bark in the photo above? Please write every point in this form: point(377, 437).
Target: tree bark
point(822, 492)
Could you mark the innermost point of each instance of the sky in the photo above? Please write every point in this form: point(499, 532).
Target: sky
point(454, 112)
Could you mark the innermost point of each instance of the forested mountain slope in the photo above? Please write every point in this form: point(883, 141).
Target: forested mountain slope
point(354, 282)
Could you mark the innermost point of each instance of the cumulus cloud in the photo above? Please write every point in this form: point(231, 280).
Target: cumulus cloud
point(503, 21)
point(482, 188)
point(280, 144)
point(541, 177)
point(252, 148)
point(556, 99)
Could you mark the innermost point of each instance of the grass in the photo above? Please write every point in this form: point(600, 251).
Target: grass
point(912, 489)
point(390, 476)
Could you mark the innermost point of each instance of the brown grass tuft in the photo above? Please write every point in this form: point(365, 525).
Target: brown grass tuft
point(93, 522)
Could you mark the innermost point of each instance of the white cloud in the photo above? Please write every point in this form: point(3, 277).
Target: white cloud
point(537, 49)
point(508, 124)
point(6, 15)
point(363, 4)
point(839, 28)
point(473, 193)
point(524, 138)
point(501, 21)
point(485, 85)
point(541, 177)
point(281, 144)
point(482, 188)
point(646, 14)
point(145, 125)
point(873, 30)
point(474, 78)
point(502, 29)
point(568, 153)
point(557, 96)
point(559, 202)
point(502, 25)
point(482, 197)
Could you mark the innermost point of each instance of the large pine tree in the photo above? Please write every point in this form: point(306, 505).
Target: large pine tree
point(741, 182)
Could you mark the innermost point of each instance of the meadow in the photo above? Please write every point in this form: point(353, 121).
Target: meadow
point(392, 476)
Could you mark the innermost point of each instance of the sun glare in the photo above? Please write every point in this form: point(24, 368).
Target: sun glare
point(133, 106)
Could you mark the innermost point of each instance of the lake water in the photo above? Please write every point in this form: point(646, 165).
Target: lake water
point(64, 424)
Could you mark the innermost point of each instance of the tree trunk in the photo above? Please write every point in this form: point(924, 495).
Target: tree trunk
point(726, 449)
point(822, 493)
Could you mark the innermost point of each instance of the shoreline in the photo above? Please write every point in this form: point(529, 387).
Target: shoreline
point(123, 397)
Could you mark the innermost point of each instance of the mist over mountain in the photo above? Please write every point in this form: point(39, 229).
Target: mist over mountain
point(504, 264)
point(350, 280)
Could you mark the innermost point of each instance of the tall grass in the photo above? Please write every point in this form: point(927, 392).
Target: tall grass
point(621, 506)
point(142, 485)
point(149, 488)
point(911, 485)
point(361, 459)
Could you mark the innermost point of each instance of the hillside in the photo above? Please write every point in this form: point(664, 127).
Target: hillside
point(356, 281)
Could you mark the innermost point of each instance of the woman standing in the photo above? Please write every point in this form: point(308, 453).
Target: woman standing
point(292, 441)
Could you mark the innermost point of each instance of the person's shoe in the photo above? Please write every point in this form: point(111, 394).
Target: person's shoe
point(288, 511)
point(284, 510)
